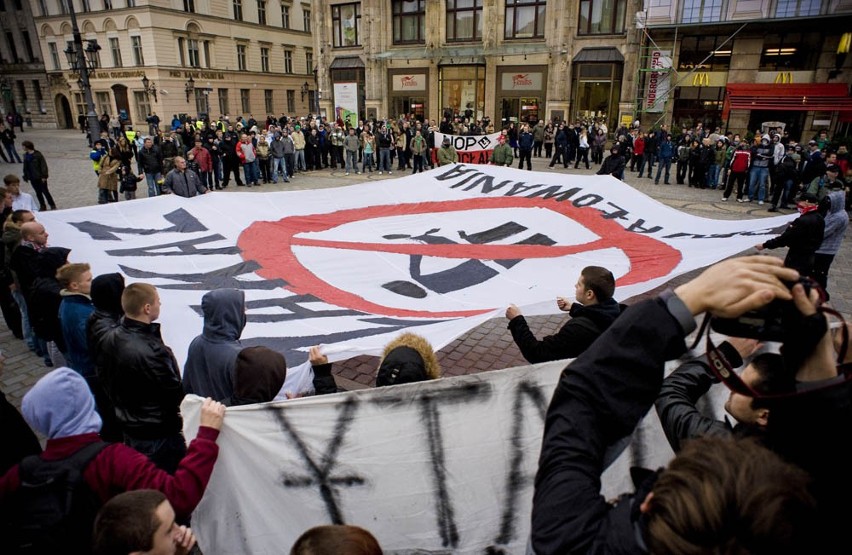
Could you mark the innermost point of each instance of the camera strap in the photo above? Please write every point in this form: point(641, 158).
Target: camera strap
point(723, 369)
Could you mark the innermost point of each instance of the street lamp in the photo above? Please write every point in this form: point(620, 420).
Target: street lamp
point(81, 64)
point(306, 88)
point(189, 88)
point(149, 87)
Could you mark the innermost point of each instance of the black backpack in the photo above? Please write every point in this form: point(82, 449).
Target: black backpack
point(53, 510)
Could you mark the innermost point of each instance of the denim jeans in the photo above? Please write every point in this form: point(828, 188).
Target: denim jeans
point(251, 172)
point(368, 162)
point(153, 188)
point(300, 161)
point(663, 163)
point(12, 153)
point(384, 160)
point(26, 328)
point(757, 180)
point(713, 176)
point(279, 164)
point(351, 160)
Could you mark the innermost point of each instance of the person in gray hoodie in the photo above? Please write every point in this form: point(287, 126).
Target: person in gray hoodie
point(836, 223)
point(277, 148)
point(210, 361)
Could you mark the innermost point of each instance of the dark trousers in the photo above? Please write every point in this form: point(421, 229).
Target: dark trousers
point(43, 194)
point(682, 169)
point(289, 160)
point(264, 169)
point(582, 155)
point(11, 311)
point(822, 263)
point(740, 179)
point(525, 154)
point(227, 169)
point(559, 155)
point(663, 163)
point(166, 452)
point(537, 148)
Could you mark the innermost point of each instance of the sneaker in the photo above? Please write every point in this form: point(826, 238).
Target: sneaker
point(380, 173)
point(760, 203)
point(389, 172)
point(357, 173)
point(347, 173)
point(724, 199)
point(739, 200)
point(772, 209)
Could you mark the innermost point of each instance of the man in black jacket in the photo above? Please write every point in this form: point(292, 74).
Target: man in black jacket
point(593, 313)
point(151, 162)
point(803, 236)
point(614, 164)
point(142, 379)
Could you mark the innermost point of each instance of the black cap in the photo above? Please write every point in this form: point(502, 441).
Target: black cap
point(812, 142)
point(401, 365)
point(809, 197)
point(446, 140)
point(832, 168)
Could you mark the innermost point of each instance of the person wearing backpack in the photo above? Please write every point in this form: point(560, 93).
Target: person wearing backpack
point(786, 176)
point(36, 513)
point(682, 160)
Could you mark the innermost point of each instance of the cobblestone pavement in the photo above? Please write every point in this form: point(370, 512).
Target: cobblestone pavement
point(486, 347)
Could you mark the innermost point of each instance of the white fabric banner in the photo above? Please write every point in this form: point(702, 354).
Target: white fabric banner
point(436, 253)
point(432, 467)
point(471, 149)
point(659, 81)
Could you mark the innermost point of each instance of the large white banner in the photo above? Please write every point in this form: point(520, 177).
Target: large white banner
point(433, 467)
point(659, 81)
point(436, 253)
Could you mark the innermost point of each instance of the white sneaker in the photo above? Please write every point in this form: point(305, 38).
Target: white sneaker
point(389, 172)
point(357, 173)
point(724, 199)
point(760, 203)
point(739, 200)
point(347, 173)
point(380, 173)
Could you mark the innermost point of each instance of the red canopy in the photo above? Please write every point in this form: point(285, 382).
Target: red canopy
point(827, 97)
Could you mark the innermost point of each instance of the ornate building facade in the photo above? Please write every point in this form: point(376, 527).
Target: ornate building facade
point(215, 57)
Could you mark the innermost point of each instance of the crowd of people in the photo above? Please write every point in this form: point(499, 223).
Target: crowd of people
point(110, 410)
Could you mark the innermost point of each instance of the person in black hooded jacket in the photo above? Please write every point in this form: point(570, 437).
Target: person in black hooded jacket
point(44, 299)
point(106, 296)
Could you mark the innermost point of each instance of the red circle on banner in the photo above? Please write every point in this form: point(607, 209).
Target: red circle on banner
point(271, 245)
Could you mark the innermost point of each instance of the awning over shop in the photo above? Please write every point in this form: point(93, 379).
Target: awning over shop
point(826, 97)
point(599, 54)
point(348, 62)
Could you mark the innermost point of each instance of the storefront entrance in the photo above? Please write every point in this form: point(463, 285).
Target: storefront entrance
point(597, 88)
point(463, 91)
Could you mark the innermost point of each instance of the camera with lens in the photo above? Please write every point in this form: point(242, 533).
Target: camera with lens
point(772, 322)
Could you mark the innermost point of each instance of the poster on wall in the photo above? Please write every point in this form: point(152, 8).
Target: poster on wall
point(658, 81)
point(346, 103)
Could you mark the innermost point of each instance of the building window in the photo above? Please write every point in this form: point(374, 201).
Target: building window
point(63, 7)
point(96, 60)
point(238, 10)
point(694, 49)
point(189, 6)
point(86, 7)
point(116, 52)
point(54, 54)
point(791, 52)
point(267, 101)
point(223, 102)
point(194, 53)
point(38, 98)
point(107, 4)
point(43, 5)
point(464, 20)
point(181, 53)
point(13, 51)
point(143, 105)
point(202, 104)
point(288, 61)
point(601, 17)
point(261, 12)
point(241, 57)
point(285, 16)
point(131, 3)
point(206, 44)
point(28, 46)
point(138, 56)
point(525, 19)
point(409, 21)
point(701, 11)
point(306, 18)
point(291, 101)
point(309, 60)
point(346, 24)
point(22, 95)
point(797, 8)
point(103, 102)
point(245, 101)
point(264, 60)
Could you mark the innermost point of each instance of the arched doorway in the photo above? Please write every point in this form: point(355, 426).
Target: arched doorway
point(122, 104)
point(63, 112)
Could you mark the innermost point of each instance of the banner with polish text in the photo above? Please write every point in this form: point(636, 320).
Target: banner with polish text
point(436, 253)
point(471, 149)
point(434, 467)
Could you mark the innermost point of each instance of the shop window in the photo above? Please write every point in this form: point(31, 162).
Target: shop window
point(224, 107)
point(245, 100)
point(464, 20)
point(525, 19)
point(409, 21)
point(701, 11)
point(143, 105)
point(797, 8)
point(463, 90)
point(346, 24)
point(596, 92)
point(291, 101)
point(602, 17)
point(267, 101)
point(707, 53)
point(791, 52)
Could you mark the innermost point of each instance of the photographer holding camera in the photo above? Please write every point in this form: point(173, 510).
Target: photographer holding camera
point(717, 495)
